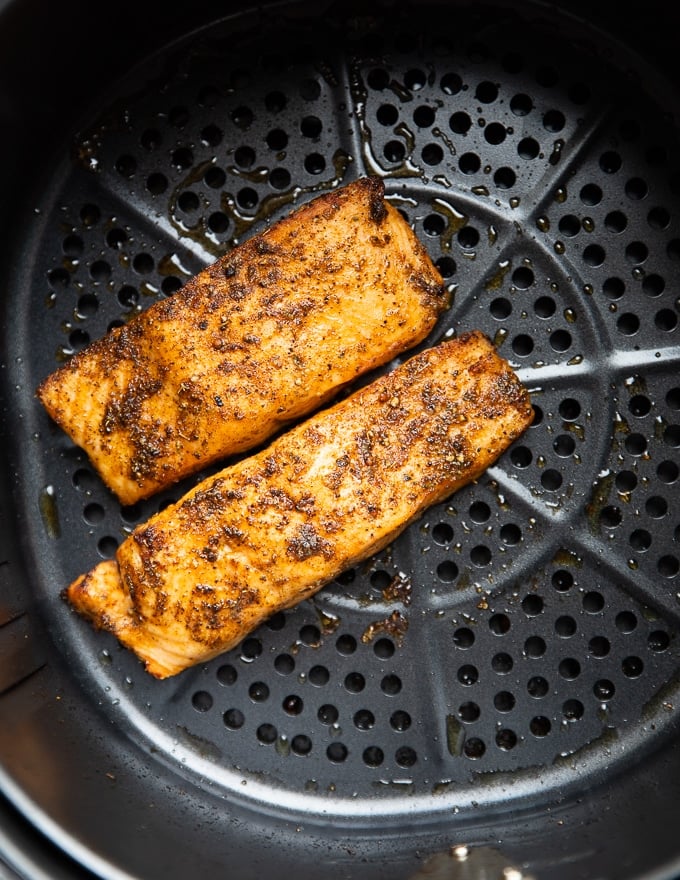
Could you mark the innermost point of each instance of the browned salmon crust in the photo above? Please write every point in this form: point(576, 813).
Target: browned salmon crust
point(255, 341)
point(272, 529)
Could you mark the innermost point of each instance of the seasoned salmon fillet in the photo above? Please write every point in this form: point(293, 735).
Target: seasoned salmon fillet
point(255, 341)
point(275, 527)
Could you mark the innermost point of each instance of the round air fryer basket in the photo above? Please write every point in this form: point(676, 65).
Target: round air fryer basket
point(495, 695)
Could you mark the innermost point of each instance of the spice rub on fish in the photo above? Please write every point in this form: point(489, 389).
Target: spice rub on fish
point(273, 528)
point(258, 339)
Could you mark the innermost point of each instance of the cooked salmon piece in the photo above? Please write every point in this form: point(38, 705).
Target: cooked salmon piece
point(273, 528)
point(260, 338)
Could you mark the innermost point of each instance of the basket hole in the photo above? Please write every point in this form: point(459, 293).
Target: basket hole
point(532, 605)
point(500, 308)
point(504, 178)
point(460, 123)
point(315, 163)
point(537, 687)
point(442, 533)
point(610, 162)
point(258, 692)
point(474, 748)
point(327, 714)
point(564, 445)
point(504, 701)
point(528, 148)
point(469, 712)
point(364, 719)
point(502, 663)
point(599, 646)
point(337, 753)
point(565, 626)
point(463, 637)
point(373, 756)
point(451, 83)
point(626, 621)
point(540, 726)
point(615, 222)
point(593, 602)
point(318, 675)
point(604, 689)
point(510, 534)
point(658, 641)
point(495, 133)
point(535, 647)
point(284, 664)
point(506, 739)
point(573, 710)
point(447, 571)
point(233, 719)
point(591, 194)
point(346, 644)
point(469, 163)
point(521, 104)
point(301, 745)
point(467, 675)
point(400, 720)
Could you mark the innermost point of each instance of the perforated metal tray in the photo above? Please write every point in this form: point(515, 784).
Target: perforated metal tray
point(514, 653)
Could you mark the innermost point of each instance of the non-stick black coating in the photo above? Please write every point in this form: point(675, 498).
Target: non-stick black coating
point(620, 811)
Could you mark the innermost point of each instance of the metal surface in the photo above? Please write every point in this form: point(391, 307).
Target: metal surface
point(507, 670)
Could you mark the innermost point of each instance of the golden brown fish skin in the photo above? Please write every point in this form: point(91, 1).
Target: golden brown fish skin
point(260, 338)
point(273, 528)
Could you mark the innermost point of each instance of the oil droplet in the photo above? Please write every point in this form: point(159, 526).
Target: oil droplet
point(559, 247)
point(633, 564)
point(283, 746)
point(567, 557)
point(496, 280)
point(148, 289)
point(329, 621)
point(570, 315)
point(588, 224)
point(602, 489)
point(455, 736)
point(514, 202)
point(49, 512)
point(492, 234)
point(500, 337)
point(556, 154)
point(543, 224)
point(588, 289)
point(561, 195)
point(105, 658)
point(576, 359)
point(554, 286)
point(170, 264)
point(440, 180)
point(456, 221)
point(480, 190)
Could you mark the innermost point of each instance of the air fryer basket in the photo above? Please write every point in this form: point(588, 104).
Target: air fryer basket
point(495, 695)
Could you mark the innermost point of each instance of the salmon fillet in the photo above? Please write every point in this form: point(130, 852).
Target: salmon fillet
point(260, 338)
point(272, 529)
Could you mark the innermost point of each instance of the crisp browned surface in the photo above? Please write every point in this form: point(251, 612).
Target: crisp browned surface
point(260, 338)
point(273, 528)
